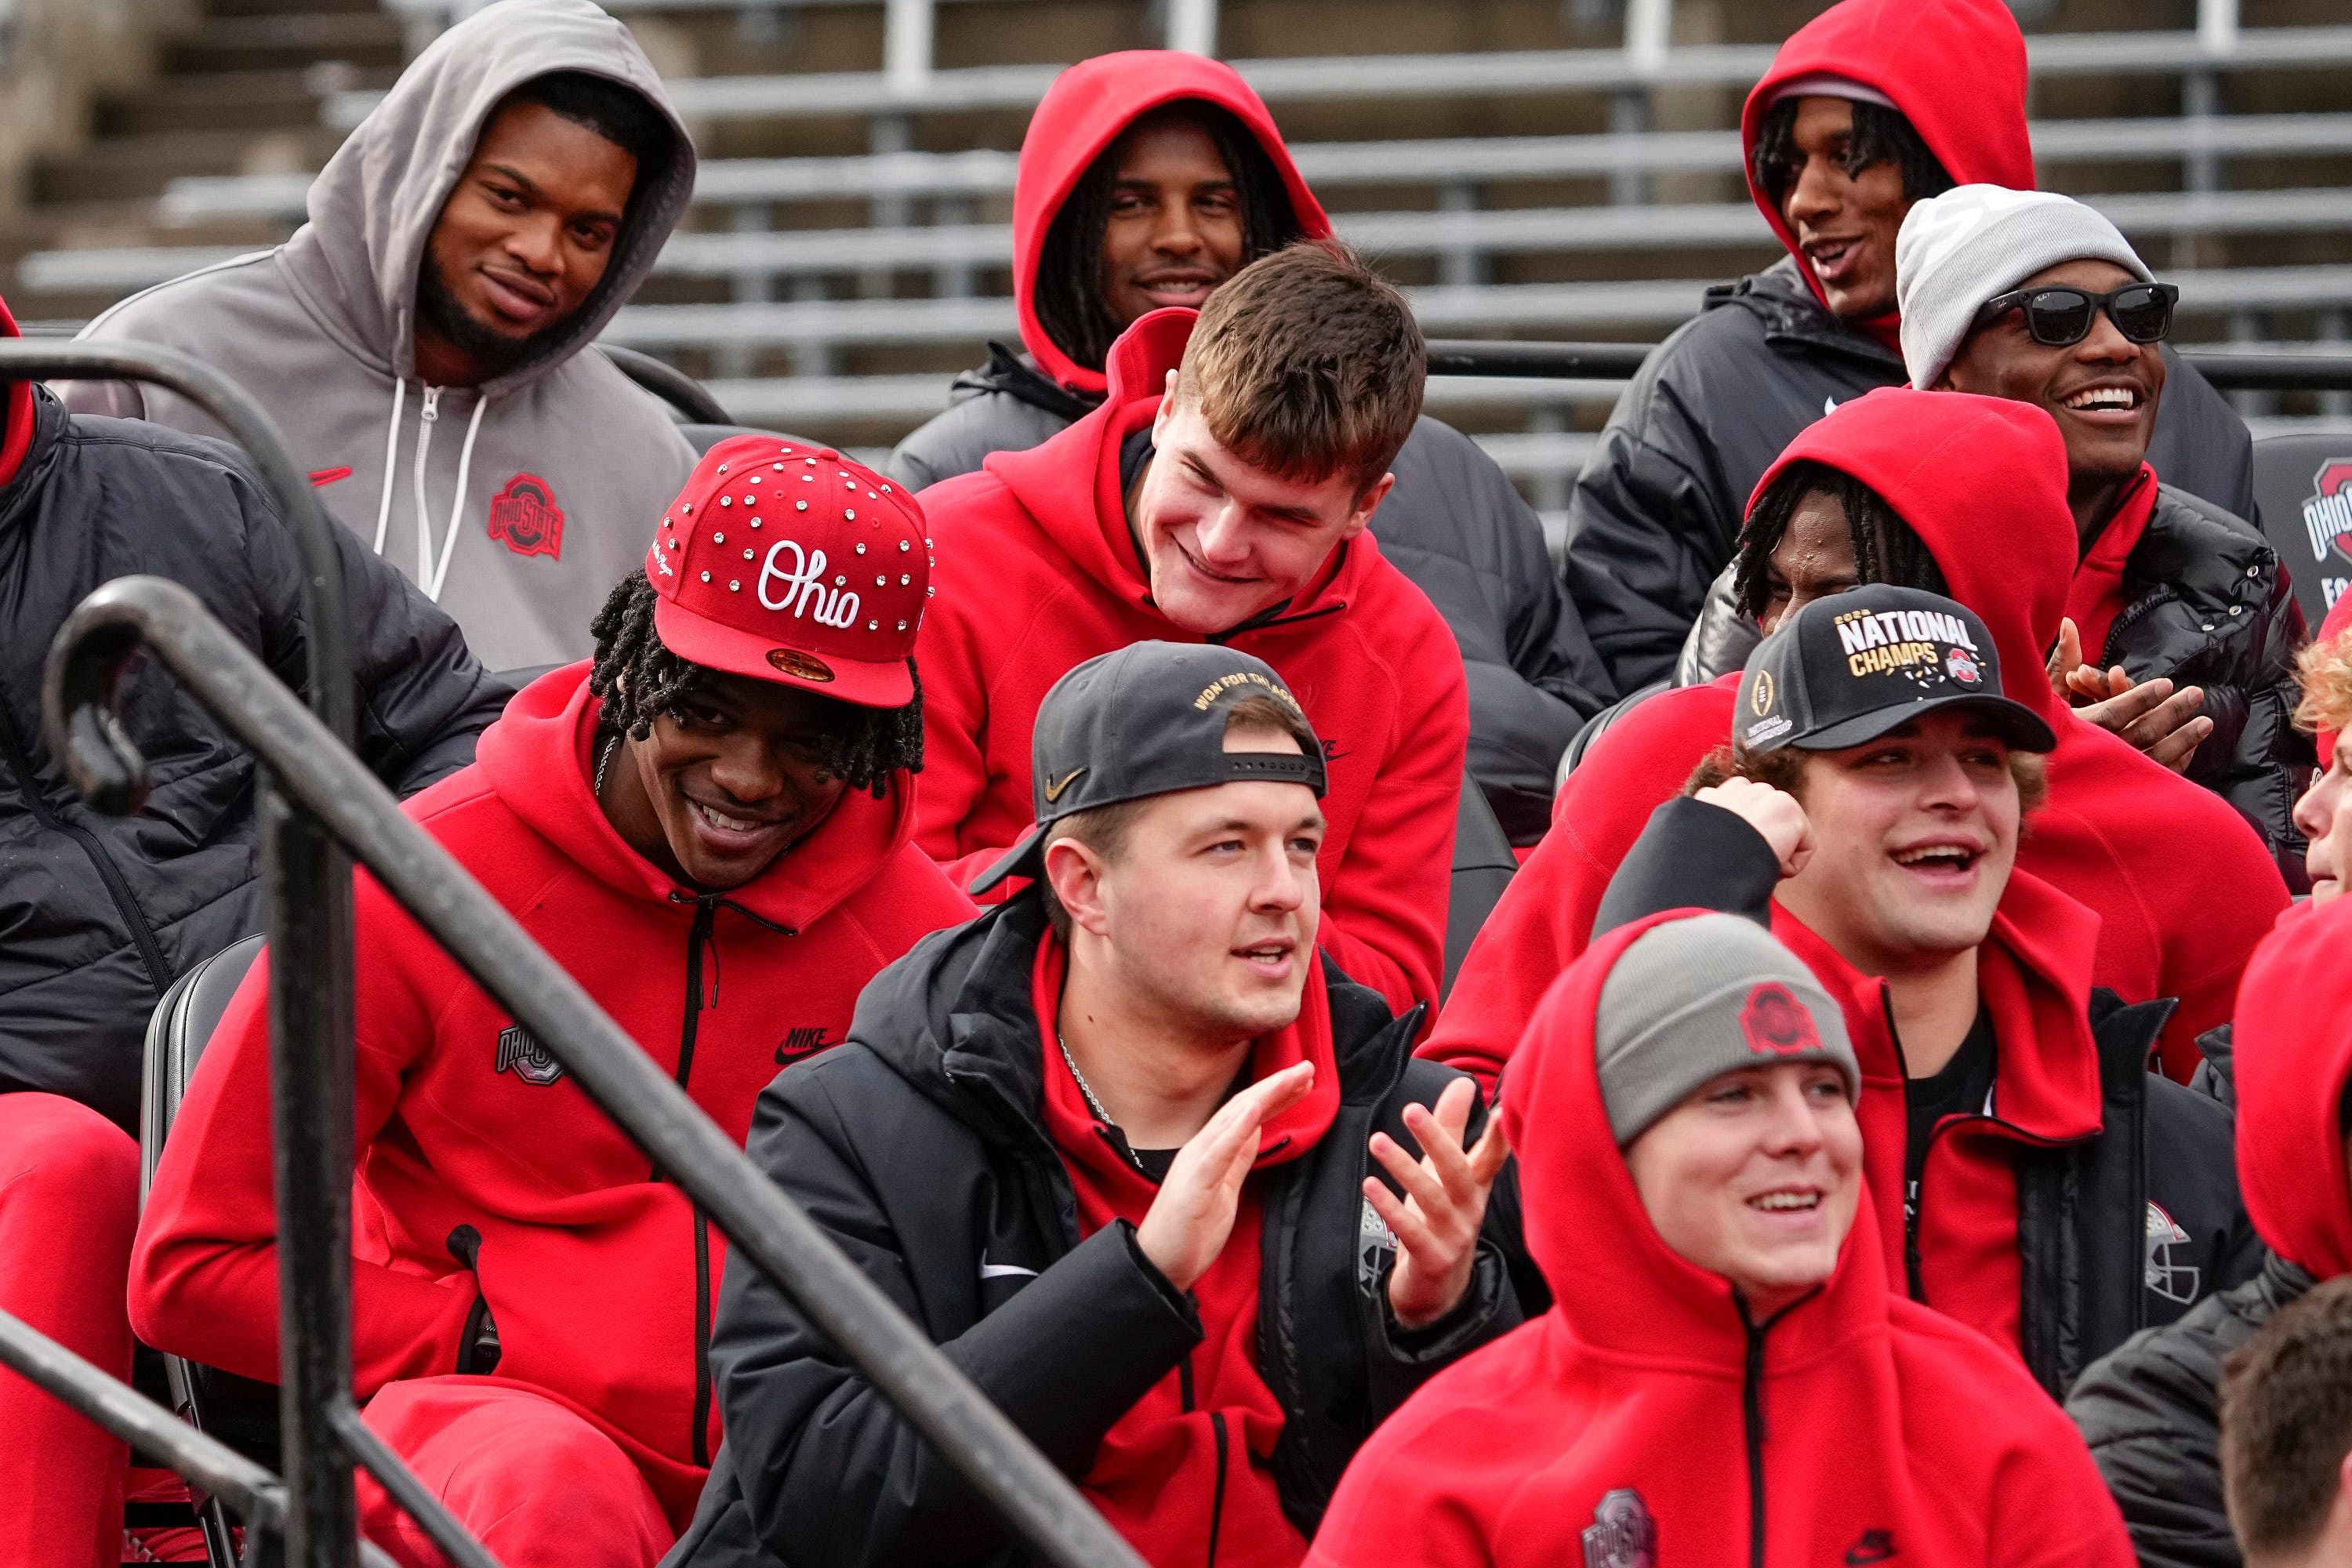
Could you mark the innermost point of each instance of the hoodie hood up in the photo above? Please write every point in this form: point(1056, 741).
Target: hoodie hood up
point(374, 205)
point(1956, 69)
point(1088, 107)
point(538, 758)
point(2292, 1047)
point(17, 437)
point(1620, 1290)
point(1982, 481)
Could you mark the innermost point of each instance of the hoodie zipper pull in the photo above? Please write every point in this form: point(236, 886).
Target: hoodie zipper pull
point(431, 412)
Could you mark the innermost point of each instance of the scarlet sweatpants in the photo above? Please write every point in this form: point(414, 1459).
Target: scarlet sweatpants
point(534, 1480)
point(69, 1206)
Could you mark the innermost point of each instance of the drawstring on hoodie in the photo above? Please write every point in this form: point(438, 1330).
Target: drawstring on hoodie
point(432, 571)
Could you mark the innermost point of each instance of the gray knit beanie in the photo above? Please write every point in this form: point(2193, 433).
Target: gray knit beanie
point(1958, 250)
point(1693, 999)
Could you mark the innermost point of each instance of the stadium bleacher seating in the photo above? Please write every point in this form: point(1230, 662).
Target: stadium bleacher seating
point(834, 291)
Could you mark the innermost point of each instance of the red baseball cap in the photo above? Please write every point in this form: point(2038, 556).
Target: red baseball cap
point(784, 562)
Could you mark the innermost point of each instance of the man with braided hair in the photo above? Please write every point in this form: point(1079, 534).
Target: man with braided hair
point(725, 791)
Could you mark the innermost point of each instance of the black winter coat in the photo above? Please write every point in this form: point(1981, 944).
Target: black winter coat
point(918, 1145)
point(1453, 524)
point(1654, 514)
point(98, 914)
point(2205, 606)
point(2116, 1232)
point(2151, 1414)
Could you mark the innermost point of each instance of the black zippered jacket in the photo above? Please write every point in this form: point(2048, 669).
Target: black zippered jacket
point(2151, 1410)
point(1452, 524)
point(2118, 1232)
point(98, 914)
point(1656, 510)
point(2206, 605)
point(919, 1145)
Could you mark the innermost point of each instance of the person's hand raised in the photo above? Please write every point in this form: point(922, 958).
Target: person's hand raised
point(1436, 1223)
point(2149, 714)
point(1187, 1224)
point(1774, 813)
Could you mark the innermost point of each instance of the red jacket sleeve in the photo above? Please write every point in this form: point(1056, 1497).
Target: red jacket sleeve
point(1384, 903)
point(204, 1271)
point(1545, 917)
point(2222, 911)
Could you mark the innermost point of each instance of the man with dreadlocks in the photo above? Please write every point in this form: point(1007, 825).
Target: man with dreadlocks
point(1959, 495)
point(1870, 107)
point(710, 828)
point(1148, 179)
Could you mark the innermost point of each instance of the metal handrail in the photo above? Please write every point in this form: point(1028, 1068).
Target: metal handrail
point(317, 796)
point(329, 672)
point(2291, 368)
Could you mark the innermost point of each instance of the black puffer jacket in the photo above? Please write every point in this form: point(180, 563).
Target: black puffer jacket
point(1453, 524)
point(1655, 512)
point(2206, 605)
point(2151, 1414)
point(919, 1145)
point(98, 914)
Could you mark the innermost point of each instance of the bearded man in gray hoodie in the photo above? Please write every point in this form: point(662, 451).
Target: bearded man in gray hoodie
point(465, 244)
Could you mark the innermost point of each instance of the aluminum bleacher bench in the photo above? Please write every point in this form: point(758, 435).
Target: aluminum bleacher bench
point(1473, 74)
point(741, 182)
point(1469, 234)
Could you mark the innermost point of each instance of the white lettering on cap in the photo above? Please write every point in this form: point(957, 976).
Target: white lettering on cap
point(804, 590)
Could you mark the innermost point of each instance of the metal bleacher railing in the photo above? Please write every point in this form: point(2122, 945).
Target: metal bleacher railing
point(320, 811)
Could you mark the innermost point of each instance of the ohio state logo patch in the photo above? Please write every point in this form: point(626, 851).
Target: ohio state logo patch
point(526, 1057)
point(1774, 1023)
point(1622, 1533)
point(526, 519)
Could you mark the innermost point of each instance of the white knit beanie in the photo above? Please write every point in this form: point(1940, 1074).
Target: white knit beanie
point(1960, 249)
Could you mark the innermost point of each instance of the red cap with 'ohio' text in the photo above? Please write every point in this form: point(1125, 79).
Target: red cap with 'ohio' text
point(784, 562)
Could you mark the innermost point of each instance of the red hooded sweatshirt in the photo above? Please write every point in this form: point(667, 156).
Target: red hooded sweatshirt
point(587, 1262)
point(2032, 983)
point(1044, 576)
point(1641, 1411)
point(2182, 886)
point(16, 438)
point(1956, 68)
point(2293, 1050)
point(1085, 109)
point(1185, 1474)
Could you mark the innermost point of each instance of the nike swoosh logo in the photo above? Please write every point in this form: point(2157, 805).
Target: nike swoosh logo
point(1004, 1271)
point(1054, 790)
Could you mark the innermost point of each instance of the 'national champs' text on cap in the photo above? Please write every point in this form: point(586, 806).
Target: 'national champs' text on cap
point(1847, 669)
point(789, 563)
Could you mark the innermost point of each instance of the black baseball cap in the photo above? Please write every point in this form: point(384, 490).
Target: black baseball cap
point(1845, 669)
point(1147, 719)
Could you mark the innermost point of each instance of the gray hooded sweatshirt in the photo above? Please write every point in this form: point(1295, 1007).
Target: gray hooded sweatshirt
point(535, 492)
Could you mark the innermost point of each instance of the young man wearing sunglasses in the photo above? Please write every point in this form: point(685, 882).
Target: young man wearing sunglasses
point(2181, 631)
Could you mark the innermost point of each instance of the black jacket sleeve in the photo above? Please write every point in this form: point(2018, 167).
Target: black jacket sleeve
point(423, 698)
point(1691, 856)
point(833, 1475)
point(1649, 525)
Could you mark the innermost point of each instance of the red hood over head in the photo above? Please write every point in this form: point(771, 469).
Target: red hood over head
point(2293, 1048)
point(1621, 1290)
point(1085, 109)
point(1982, 481)
point(1955, 68)
point(19, 435)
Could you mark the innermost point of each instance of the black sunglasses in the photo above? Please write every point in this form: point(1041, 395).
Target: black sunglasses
point(2058, 316)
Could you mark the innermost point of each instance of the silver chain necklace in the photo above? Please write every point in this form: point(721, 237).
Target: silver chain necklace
point(604, 761)
point(1072, 1063)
